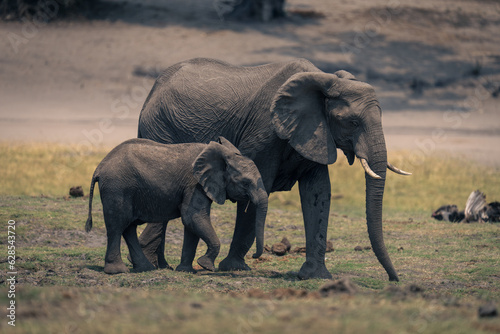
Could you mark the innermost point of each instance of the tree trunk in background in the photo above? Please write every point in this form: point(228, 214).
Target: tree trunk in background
point(264, 10)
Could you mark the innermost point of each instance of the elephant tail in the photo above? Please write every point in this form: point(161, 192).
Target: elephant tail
point(88, 224)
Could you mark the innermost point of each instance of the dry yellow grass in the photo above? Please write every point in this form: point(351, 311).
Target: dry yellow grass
point(46, 169)
point(51, 169)
point(436, 181)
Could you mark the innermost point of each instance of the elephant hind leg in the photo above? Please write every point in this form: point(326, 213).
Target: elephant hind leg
point(154, 247)
point(162, 262)
point(113, 263)
point(151, 240)
point(139, 260)
point(189, 246)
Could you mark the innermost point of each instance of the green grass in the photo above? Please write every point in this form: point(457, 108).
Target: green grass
point(62, 288)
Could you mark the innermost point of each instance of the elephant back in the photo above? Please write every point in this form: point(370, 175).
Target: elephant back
point(201, 99)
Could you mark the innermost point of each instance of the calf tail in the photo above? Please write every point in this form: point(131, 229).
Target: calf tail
point(88, 224)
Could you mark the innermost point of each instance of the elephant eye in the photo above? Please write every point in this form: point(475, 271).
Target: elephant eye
point(354, 123)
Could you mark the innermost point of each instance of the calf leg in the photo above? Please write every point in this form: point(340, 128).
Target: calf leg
point(202, 227)
point(155, 250)
point(160, 252)
point(213, 248)
point(196, 217)
point(188, 251)
point(139, 260)
point(113, 263)
point(150, 241)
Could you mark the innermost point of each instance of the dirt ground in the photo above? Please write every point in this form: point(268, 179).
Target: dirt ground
point(435, 66)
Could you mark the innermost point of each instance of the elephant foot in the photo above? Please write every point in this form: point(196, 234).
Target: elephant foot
point(206, 263)
point(144, 267)
point(393, 278)
point(312, 269)
point(158, 263)
point(230, 264)
point(186, 268)
point(153, 259)
point(115, 268)
point(163, 264)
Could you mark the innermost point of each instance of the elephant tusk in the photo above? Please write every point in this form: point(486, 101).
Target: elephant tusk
point(247, 206)
point(397, 170)
point(368, 170)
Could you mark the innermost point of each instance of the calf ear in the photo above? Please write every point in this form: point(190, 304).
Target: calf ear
point(208, 169)
point(344, 75)
point(227, 144)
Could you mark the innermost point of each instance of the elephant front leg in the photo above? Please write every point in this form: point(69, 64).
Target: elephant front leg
point(196, 219)
point(207, 233)
point(315, 194)
point(243, 238)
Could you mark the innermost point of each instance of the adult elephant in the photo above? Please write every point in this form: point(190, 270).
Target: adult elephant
point(289, 118)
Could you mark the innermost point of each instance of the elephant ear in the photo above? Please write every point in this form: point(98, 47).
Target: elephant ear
point(241, 171)
point(344, 75)
point(228, 145)
point(299, 116)
point(209, 169)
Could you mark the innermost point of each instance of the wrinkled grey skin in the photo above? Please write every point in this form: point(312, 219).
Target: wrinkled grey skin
point(144, 181)
point(289, 118)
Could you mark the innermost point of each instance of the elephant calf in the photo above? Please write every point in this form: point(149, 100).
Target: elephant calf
point(144, 181)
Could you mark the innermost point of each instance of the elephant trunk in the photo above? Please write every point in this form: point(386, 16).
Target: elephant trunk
point(377, 160)
point(260, 202)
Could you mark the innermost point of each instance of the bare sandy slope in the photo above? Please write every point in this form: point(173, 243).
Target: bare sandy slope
point(435, 66)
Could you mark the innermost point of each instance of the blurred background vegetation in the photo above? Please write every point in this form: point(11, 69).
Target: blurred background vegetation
point(48, 10)
point(43, 10)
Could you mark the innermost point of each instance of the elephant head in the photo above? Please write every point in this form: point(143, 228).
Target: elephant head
point(317, 113)
point(226, 174)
